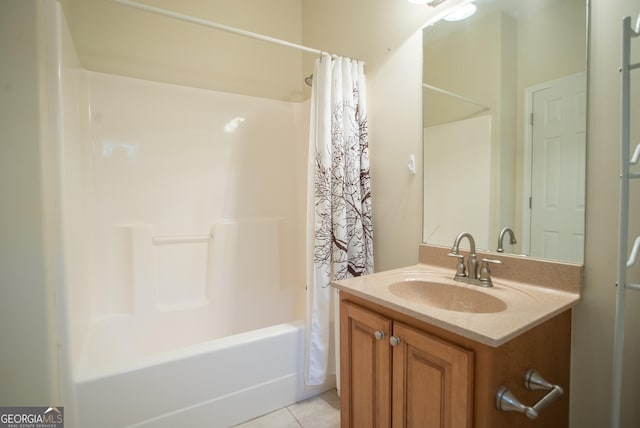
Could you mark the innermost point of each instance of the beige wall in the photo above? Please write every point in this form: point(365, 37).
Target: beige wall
point(395, 132)
point(457, 62)
point(555, 52)
point(593, 317)
point(370, 30)
point(28, 335)
point(117, 39)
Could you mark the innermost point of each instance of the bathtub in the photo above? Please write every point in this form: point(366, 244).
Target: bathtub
point(194, 339)
point(217, 383)
point(197, 339)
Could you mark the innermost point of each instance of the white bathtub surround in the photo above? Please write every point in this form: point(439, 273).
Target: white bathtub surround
point(339, 225)
point(193, 239)
point(184, 251)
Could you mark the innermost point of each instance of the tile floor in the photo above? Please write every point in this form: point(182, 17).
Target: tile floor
point(322, 411)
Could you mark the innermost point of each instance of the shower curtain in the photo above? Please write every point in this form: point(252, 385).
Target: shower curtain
point(339, 227)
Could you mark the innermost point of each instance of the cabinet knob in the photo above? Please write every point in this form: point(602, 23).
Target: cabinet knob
point(394, 341)
point(378, 334)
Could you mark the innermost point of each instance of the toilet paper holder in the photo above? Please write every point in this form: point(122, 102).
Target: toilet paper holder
point(506, 401)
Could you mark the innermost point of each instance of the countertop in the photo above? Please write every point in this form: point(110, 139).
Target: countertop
point(520, 307)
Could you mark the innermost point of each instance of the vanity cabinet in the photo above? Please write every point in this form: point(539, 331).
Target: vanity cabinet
point(400, 376)
point(365, 351)
point(431, 381)
point(397, 371)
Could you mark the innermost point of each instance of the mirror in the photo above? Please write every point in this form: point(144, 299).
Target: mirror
point(504, 117)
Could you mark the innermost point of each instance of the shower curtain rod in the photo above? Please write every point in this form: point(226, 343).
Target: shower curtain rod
point(220, 27)
point(453, 94)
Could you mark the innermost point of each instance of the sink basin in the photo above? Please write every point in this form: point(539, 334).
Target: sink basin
point(447, 296)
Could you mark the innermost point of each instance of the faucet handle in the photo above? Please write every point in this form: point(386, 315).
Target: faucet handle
point(485, 272)
point(461, 270)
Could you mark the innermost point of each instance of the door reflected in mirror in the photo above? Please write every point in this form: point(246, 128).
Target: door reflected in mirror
point(504, 114)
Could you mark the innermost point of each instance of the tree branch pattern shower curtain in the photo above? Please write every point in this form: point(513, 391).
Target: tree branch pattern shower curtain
point(339, 226)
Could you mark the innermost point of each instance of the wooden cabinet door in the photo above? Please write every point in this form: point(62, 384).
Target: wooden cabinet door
point(432, 381)
point(365, 364)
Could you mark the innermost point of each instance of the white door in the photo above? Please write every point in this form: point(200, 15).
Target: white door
point(558, 169)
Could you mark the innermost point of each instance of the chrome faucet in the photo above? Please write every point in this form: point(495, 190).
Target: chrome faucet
point(512, 239)
point(472, 263)
point(469, 273)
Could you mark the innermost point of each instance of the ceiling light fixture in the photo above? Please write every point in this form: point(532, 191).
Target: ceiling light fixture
point(461, 13)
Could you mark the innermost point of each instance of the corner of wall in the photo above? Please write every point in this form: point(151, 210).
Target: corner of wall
point(395, 112)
